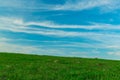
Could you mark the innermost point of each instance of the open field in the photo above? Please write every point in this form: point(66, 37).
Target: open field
point(34, 67)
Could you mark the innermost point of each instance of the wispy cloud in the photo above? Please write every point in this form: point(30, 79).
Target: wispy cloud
point(78, 5)
point(18, 25)
point(8, 47)
point(18, 48)
point(50, 24)
point(117, 53)
point(63, 36)
point(109, 41)
point(84, 4)
point(23, 5)
point(72, 5)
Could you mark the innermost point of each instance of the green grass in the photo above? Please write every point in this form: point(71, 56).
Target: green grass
point(34, 67)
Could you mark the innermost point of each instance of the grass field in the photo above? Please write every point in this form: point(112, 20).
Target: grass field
point(33, 67)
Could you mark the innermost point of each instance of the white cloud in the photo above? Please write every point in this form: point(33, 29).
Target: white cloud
point(25, 4)
point(68, 5)
point(7, 47)
point(78, 5)
point(18, 25)
point(83, 4)
point(51, 24)
point(108, 40)
point(115, 53)
point(20, 48)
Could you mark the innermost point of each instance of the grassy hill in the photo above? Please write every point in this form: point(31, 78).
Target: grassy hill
point(33, 67)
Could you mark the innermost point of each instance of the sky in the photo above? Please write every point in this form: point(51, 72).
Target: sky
point(75, 28)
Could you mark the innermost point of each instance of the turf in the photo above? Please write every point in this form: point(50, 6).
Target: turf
point(34, 67)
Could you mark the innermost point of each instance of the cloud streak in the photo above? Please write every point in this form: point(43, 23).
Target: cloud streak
point(72, 5)
point(84, 4)
point(18, 25)
point(31, 25)
point(108, 41)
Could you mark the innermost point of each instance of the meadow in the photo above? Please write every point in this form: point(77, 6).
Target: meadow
point(35, 67)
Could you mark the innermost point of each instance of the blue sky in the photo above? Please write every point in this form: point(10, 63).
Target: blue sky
point(77, 28)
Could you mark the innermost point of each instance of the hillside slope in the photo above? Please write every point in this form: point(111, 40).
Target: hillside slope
point(33, 67)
